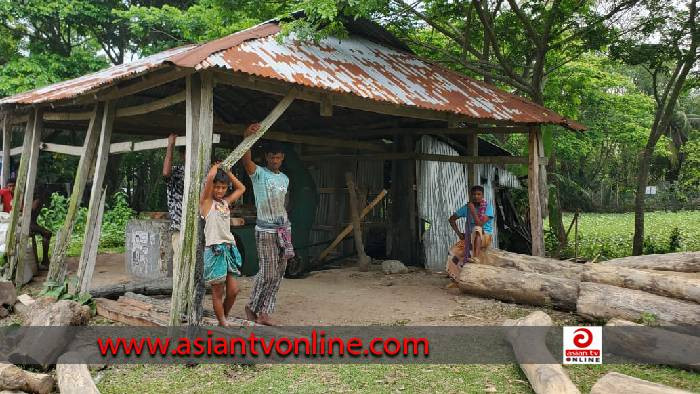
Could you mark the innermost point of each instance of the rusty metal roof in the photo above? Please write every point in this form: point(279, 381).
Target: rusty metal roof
point(353, 65)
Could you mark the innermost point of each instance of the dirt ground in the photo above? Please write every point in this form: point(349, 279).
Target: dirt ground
point(346, 296)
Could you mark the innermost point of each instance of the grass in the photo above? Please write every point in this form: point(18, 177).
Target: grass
point(416, 378)
point(609, 235)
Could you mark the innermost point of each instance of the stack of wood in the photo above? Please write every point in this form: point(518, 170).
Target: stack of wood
point(662, 288)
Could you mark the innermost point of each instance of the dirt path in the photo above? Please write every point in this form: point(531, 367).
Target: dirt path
point(346, 296)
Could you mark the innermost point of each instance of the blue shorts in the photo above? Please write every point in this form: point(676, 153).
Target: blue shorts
point(221, 260)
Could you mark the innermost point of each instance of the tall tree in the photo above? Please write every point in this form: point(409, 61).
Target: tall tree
point(669, 62)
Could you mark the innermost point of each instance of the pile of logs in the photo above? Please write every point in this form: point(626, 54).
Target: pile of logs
point(663, 288)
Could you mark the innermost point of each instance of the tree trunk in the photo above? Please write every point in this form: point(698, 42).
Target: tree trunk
point(618, 383)
point(639, 343)
point(530, 349)
point(152, 287)
point(75, 379)
point(642, 178)
point(14, 378)
point(678, 262)
point(517, 286)
point(651, 282)
point(598, 301)
point(533, 264)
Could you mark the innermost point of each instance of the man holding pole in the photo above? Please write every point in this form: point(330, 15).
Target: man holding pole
point(272, 230)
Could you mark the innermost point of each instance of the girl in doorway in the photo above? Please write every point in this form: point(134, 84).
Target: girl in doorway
point(221, 257)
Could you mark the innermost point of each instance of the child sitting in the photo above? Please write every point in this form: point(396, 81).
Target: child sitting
point(479, 225)
point(221, 257)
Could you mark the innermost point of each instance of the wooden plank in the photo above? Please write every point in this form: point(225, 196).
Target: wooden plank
point(343, 99)
point(146, 82)
point(121, 147)
point(12, 235)
point(442, 131)
point(93, 223)
point(32, 169)
point(57, 267)
point(421, 156)
point(92, 245)
point(16, 151)
point(6, 145)
point(63, 149)
point(363, 259)
point(265, 125)
point(124, 313)
point(326, 106)
point(67, 116)
point(200, 118)
point(533, 188)
point(473, 149)
point(349, 228)
point(152, 106)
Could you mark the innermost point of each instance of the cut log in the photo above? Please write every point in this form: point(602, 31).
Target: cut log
point(599, 301)
point(45, 345)
point(151, 287)
point(534, 264)
point(531, 351)
point(75, 379)
point(637, 342)
point(651, 282)
point(15, 378)
point(679, 262)
point(617, 383)
point(8, 294)
point(126, 313)
point(517, 286)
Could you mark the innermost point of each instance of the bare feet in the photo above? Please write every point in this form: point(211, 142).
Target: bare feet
point(249, 314)
point(264, 319)
point(223, 323)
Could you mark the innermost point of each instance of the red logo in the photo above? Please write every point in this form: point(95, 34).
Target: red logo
point(584, 337)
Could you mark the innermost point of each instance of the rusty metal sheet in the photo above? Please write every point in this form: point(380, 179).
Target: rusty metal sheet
point(75, 87)
point(363, 68)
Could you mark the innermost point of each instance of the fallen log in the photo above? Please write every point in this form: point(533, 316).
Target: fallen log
point(517, 286)
point(599, 301)
point(617, 383)
point(15, 378)
point(531, 352)
point(44, 345)
point(128, 314)
point(651, 344)
point(651, 282)
point(533, 264)
point(151, 287)
point(679, 262)
point(74, 378)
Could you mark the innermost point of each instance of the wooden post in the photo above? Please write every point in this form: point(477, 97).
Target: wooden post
point(11, 238)
point(6, 145)
point(533, 183)
point(544, 189)
point(33, 164)
point(200, 120)
point(57, 266)
point(362, 257)
point(473, 147)
point(93, 224)
point(403, 242)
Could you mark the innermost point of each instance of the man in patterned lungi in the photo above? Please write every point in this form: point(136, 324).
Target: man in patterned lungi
point(272, 229)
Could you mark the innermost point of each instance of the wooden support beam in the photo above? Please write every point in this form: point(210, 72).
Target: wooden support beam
point(63, 149)
point(422, 156)
point(473, 149)
point(326, 106)
point(12, 235)
point(362, 258)
point(200, 119)
point(265, 125)
point(32, 169)
point(16, 151)
point(57, 267)
point(544, 190)
point(152, 106)
point(533, 187)
point(86, 264)
point(346, 100)
point(6, 145)
point(482, 129)
point(304, 139)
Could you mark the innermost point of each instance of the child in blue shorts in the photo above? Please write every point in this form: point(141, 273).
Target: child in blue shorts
point(221, 257)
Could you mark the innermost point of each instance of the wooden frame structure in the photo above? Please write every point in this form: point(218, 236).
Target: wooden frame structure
point(153, 102)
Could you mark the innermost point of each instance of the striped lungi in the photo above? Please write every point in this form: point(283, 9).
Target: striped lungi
point(272, 265)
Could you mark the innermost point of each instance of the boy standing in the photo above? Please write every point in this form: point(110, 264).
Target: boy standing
point(272, 230)
point(479, 221)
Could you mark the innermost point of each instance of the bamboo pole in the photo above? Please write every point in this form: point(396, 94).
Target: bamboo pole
point(362, 257)
point(87, 161)
point(6, 145)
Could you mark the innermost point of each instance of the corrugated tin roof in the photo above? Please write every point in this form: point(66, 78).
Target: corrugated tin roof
point(352, 65)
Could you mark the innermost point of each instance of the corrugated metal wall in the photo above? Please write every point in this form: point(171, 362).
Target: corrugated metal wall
point(442, 188)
